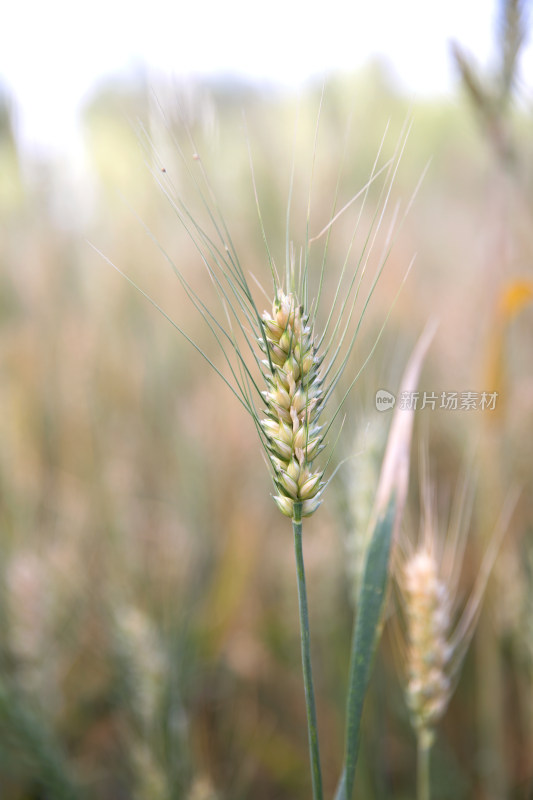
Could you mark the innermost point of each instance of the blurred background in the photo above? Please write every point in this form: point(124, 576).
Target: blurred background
point(149, 642)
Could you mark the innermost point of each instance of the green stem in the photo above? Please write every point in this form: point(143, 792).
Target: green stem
point(314, 751)
point(424, 750)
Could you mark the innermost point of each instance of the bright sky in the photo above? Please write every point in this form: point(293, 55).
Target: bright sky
point(53, 52)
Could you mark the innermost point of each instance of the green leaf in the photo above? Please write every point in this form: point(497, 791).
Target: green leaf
point(38, 746)
point(365, 639)
point(388, 509)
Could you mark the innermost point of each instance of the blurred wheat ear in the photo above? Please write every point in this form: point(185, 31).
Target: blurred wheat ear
point(491, 94)
point(437, 633)
point(361, 483)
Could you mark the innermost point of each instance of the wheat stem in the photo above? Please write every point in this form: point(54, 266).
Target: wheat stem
point(424, 741)
point(314, 750)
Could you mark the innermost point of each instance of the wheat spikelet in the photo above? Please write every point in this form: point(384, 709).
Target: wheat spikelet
point(294, 401)
point(427, 604)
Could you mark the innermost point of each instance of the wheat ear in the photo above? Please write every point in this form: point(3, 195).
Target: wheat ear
point(427, 604)
point(294, 400)
point(438, 632)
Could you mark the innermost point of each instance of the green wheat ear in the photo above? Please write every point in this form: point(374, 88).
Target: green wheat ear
point(294, 400)
point(298, 372)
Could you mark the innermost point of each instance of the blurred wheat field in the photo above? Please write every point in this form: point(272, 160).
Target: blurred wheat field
point(149, 644)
